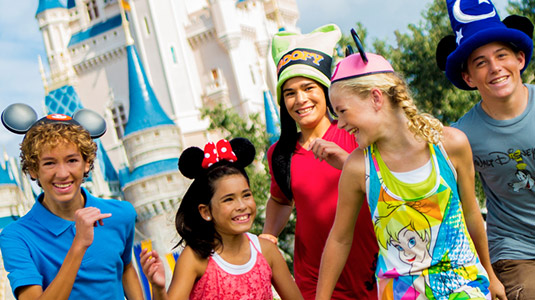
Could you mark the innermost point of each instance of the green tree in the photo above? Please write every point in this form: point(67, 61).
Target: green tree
point(230, 124)
point(413, 56)
point(525, 8)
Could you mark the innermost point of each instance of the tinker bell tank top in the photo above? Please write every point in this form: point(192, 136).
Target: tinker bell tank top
point(425, 251)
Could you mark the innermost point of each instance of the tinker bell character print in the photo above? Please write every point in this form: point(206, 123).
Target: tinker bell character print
point(408, 230)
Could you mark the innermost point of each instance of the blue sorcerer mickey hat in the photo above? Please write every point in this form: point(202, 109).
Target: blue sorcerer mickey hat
point(476, 23)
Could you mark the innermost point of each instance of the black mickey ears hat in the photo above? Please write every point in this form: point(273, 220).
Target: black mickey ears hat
point(476, 23)
point(190, 162)
point(19, 118)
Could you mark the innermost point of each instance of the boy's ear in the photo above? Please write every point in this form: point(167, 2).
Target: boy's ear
point(467, 79)
point(204, 210)
point(521, 56)
point(87, 167)
point(33, 174)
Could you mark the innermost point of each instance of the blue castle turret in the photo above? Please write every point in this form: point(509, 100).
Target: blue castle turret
point(272, 118)
point(10, 207)
point(48, 4)
point(145, 110)
point(152, 143)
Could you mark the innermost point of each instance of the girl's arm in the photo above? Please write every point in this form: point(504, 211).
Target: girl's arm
point(189, 267)
point(351, 190)
point(458, 148)
point(154, 270)
point(282, 279)
point(131, 284)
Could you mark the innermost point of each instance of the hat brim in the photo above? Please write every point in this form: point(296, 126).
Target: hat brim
point(300, 70)
point(458, 57)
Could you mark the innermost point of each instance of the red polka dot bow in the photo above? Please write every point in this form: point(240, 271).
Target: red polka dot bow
point(215, 152)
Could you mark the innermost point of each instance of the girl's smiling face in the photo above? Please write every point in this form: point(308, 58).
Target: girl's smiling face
point(356, 115)
point(232, 207)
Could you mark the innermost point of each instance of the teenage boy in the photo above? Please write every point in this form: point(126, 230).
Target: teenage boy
point(71, 244)
point(489, 56)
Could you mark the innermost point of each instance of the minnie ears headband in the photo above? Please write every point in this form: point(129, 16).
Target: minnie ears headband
point(194, 161)
point(362, 64)
point(19, 118)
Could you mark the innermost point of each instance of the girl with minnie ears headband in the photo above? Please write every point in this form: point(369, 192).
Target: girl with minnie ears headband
point(221, 260)
point(418, 180)
point(59, 240)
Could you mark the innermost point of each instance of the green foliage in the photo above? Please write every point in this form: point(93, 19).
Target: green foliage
point(413, 56)
point(525, 8)
point(230, 124)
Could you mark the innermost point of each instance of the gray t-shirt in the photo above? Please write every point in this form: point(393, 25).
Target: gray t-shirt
point(504, 156)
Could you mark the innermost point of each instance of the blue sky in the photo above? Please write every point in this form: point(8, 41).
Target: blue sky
point(21, 41)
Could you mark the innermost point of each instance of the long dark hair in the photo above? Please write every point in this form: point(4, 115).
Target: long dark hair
point(281, 159)
point(195, 231)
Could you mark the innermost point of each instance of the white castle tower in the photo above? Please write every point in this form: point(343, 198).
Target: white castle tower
point(196, 53)
point(150, 84)
point(17, 198)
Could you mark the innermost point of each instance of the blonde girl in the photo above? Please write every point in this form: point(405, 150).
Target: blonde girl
point(405, 159)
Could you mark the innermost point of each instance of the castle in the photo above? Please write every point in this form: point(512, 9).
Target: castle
point(149, 67)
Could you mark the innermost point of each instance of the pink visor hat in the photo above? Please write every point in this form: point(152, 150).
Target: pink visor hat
point(360, 64)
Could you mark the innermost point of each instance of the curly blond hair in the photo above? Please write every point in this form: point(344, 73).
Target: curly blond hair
point(424, 126)
point(50, 135)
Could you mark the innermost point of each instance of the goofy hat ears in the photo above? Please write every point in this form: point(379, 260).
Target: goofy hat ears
point(476, 23)
point(306, 55)
point(19, 118)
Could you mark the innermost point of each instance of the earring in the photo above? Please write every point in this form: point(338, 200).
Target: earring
point(208, 218)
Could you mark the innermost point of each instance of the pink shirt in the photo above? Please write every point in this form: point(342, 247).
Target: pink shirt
point(221, 280)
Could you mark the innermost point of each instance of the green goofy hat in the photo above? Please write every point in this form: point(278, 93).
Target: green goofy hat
point(307, 55)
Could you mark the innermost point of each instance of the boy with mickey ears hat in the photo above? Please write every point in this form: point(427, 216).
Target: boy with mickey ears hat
point(490, 55)
point(71, 244)
point(305, 165)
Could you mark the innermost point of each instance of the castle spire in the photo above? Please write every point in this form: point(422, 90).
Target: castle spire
point(145, 110)
point(48, 4)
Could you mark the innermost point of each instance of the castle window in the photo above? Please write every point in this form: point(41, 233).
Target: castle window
point(215, 76)
point(92, 9)
point(173, 54)
point(119, 119)
point(252, 74)
point(147, 28)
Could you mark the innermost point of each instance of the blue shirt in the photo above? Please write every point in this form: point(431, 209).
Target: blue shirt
point(34, 247)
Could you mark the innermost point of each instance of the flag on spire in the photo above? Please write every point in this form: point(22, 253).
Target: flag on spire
point(125, 4)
